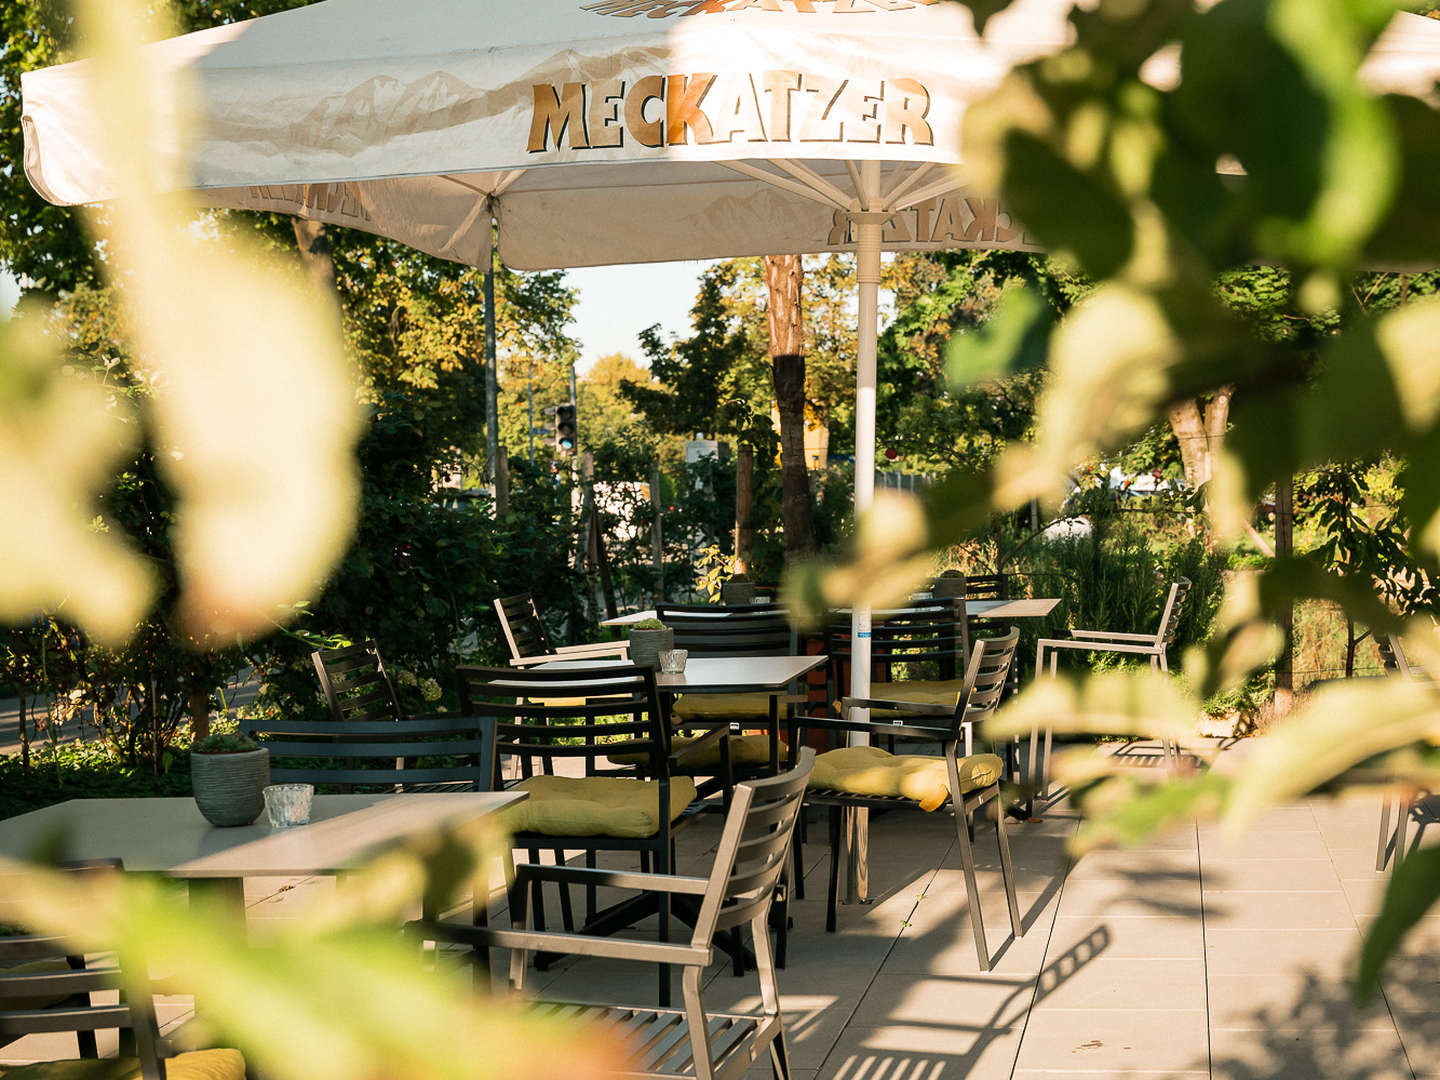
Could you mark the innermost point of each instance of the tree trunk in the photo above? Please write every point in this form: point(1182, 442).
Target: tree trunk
point(24, 738)
point(1201, 433)
point(315, 253)
point(1284, 548)
point(744, 504)
point(199, 710)
point(784, 279)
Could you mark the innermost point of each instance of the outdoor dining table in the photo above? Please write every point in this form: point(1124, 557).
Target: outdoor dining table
point(168, 836)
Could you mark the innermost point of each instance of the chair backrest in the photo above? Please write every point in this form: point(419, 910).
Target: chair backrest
point(987, 587)
point(754, 846)
point(46, 988)
point(522, 627)
point(1393, 657)
point(988, 674)
point(930, 631)
point(1174, 609)
point(449, 750)
point(542, 714)
point(356, 685)
point(748, 630)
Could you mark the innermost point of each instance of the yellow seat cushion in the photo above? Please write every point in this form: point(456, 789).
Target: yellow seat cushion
point(744, 750)
point(868, 770)
point(917, 692)
point(196, 1065)
point(721, 707)
point(49, 965)
point(595, 805)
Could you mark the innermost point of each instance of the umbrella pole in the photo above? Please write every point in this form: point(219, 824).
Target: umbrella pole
point(868, 228)
point(492, 377)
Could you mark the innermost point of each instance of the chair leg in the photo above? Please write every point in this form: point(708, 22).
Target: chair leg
point(590, 890)
point(780, 1056)
point(1383, 849)
point(972, 884)
point(1007, 865)
point(537, 896)
point(1402, 827)
point(797, 856)
point(567, 913)
point(833, 897)
point(663, 865)
point(695, 1022)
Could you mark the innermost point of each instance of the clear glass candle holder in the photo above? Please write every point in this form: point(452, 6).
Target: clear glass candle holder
point(288, 805)
point(672, 661)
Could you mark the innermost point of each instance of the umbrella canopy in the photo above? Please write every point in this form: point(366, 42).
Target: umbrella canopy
point(597, 131)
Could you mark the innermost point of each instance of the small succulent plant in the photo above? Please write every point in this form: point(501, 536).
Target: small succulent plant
point(225, 743)
point(952, 573)
point(650, 624)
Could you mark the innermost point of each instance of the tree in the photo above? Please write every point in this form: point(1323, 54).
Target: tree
point(785, 286)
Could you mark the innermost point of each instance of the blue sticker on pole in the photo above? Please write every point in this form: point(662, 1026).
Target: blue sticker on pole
point(863, 633)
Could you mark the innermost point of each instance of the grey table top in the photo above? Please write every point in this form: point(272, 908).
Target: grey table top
point(718, 675)
point(1028, 608)
point(169, 836)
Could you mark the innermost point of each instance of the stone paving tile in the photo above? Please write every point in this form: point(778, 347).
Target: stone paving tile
point(1290, 997)
point(1118, 898)
point(1115, 1040)
point(1307, 1053)
point(1281, 844)
point(1134, 865)
point(905, 1051)
point(1279, 875)
point(1277, 911)
point(1129, 983)
point(1160, 936)
point(1328, 953)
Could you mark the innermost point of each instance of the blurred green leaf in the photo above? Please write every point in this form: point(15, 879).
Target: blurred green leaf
point(1414, 887)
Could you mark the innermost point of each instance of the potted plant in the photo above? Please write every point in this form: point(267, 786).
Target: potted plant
point(950, 584)
point(648, 639)
point(229, 773)
point(738, 590)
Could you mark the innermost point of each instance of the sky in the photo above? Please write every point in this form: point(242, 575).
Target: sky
point(616, 303)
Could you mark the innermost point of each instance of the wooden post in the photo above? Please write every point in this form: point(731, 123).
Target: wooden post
point(657, 539)
point(589, 530)
point(1284, 548)
point(785, 282)
point(744, 503)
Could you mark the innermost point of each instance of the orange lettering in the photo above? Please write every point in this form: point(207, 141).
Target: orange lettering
point(558, 113)
point(683, 96)
point(645, 132)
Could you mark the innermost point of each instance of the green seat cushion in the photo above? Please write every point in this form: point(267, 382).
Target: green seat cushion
point(595, 805)
point(197, 1065)
point(744, 750)
point(721, 707)
point(917, 692)
point(45, 966)
point(868, 770)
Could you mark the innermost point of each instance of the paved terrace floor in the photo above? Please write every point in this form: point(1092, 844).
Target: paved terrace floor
point(1186, 958)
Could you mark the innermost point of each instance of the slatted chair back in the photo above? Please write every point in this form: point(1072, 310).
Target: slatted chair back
point(45, 988)
point(748, 630)
point(447, 751)
point(987, 587)
point(542, 715)
point(928, 632)
point(988, 674)
point(753, 849)
point(356, 685)
point(1394, 658)
point(1174, 609)
point(522, 627)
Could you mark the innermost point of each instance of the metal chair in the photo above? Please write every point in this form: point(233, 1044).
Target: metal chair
point(1392, 656)
point(929, 637)
point(46, 988)
point(970, 781)
point(708, 630)
point(529, 644)
point(545, 717)
point(1154, 646)
point(691, 1042)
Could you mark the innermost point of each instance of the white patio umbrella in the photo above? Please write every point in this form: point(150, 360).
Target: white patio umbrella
point(610, 131)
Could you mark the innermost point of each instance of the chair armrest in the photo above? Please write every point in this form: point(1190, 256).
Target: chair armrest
point(1097, 646)
point(909, 707)
point(596, 649)
point(701, 742)
point(653, 952)
point(879, 727)
point(1105, 635)
point(617, 879)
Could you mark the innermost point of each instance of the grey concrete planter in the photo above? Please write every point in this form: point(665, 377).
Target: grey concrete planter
point(646, 645)
point(230, 788)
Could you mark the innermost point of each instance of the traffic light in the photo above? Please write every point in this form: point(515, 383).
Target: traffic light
point(567, 437)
